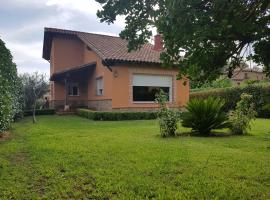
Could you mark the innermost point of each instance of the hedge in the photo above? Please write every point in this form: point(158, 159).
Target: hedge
point(260, 93)
point(40, 112)
point(115, 116)
point(10, 89)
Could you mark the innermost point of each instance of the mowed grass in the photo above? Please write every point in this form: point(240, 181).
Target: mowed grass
point(74, 158)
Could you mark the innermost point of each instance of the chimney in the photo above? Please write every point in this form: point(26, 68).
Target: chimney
point(158, 42)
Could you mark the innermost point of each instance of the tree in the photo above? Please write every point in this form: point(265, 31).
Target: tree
point(210, 34)
point(9, 88)
point(34, 87)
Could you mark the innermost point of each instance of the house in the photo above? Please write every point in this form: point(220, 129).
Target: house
point(242, 75)
point(97, 71)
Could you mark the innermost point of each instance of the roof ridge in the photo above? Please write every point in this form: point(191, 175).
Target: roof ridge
point(76, 32)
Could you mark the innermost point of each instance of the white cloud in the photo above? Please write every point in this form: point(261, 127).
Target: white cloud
point(83, 6)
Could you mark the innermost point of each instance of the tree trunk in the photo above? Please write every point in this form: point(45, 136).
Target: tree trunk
point(34, 112)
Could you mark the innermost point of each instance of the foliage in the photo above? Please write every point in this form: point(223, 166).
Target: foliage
point(10, 89)
point(244, 113)
point(167, 117)
point(208, 34)
point(204, 115)
point(34, 87)
point(221, 82)
point(40, 112)
point(115, 116)
point(260, 94)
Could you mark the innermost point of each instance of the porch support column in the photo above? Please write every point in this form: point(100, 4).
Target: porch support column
point(66, 91)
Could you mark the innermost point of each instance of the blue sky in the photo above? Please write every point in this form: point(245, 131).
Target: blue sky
point(22, 24)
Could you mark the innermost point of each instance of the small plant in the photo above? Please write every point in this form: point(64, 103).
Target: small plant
point(204, 115)
point(167, 118)
point(244, 113)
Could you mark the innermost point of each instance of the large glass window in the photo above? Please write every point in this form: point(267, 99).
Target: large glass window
point(145, 87)
point(148, 93)
point(73, 89)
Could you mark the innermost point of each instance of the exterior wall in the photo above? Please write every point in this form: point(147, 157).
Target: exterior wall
point(95, 101)
point(122, 97)
point(66, 53)
point(117, 90)
point(100, 105)
point(239, 77)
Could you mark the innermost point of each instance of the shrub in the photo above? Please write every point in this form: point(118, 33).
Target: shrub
point(115, 116)
point(40, 112)
point(9, 88)
point(167, 118)
point(204, 115)
point(260, 95)
point(241, 117)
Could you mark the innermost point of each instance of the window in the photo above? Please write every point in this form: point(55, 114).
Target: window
point(99, 86)
point(73, 89)
point(145, 87)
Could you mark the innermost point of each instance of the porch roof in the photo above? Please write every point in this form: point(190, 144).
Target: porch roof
point(72, 71)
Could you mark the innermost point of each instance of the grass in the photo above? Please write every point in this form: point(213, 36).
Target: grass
point(74, 158)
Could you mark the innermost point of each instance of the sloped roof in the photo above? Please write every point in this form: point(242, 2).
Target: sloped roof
point(73, 70)
point(109, 48)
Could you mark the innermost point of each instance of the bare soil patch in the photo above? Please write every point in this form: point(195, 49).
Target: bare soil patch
point(4, 136)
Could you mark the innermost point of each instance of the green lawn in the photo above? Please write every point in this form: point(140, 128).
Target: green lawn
point(74, 158)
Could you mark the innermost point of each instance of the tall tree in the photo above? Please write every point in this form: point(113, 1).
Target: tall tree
point(210, 33)
point(9, 88)
point(34, 87)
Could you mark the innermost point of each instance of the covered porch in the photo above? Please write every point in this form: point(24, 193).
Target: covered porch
point(72, 87)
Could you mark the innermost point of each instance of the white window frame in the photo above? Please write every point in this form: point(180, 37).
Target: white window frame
point(71, 85)
point(153, 85)
point(99, 86)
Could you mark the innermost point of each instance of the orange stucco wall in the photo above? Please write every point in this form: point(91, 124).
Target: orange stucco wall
point(122, 86)
point(100, 71)
point(67, 53)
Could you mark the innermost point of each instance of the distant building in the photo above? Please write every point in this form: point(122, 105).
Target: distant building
point(241, 75)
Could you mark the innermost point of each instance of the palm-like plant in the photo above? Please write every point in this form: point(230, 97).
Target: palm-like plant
point(204, 115)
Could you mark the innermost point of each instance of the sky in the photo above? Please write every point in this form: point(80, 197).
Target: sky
point(22, 25)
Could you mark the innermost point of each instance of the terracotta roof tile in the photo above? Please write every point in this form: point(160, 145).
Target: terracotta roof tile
point(112, 48)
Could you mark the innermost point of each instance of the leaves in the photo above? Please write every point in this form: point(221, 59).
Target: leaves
point(244, 113)
point(167, 118)
point(34, 87)
point(211, 33)
point(205, 115)
point(10, 89)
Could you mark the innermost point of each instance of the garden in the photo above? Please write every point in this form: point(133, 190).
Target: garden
point(200, 153)
point(75, 158)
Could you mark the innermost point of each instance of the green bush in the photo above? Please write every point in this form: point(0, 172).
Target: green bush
point(260, 96)
point(115, 116)
point(167, 118)
point(40, 112)
point(204, 115)
point(9, 89)
point(241, 117)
